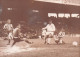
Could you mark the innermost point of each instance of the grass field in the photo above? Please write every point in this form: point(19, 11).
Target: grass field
point(39, 49)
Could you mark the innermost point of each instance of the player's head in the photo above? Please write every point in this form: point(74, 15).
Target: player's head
point(50, 21)
point(18, 25)
point(8, 21)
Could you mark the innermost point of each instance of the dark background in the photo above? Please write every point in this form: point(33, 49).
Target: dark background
point(22, 13)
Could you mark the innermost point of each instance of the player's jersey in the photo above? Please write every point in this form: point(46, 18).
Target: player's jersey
point(61, 34)
point(8, 27)
point(50, 28)
point(16, 32)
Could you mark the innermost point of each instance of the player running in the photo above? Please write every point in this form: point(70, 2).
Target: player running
point(8, 27)
point(17, 35)
point(50, 29)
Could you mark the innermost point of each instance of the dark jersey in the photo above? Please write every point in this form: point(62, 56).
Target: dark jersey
point(16, 32)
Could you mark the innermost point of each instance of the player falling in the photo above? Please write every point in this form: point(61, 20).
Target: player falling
point(50, 29)
point(17, 35)
point(59, 37)
point(8, 27)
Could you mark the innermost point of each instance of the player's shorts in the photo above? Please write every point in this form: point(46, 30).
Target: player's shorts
point(10, 36)
point(49, 34)
point(43, 35)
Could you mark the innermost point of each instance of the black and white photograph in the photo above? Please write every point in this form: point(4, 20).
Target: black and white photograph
point(39, 28)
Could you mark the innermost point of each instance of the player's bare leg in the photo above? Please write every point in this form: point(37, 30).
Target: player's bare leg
point(8, 42)
point(46, 38)
point(61, 41)
point(49, 38)
point(56, 39)
point(45, 41)
point(10, 37)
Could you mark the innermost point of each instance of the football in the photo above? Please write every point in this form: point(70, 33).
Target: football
point(75, 43)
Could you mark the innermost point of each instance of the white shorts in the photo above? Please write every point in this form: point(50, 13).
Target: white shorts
point(10, 36)
point(48, 33)
point(43, 34)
